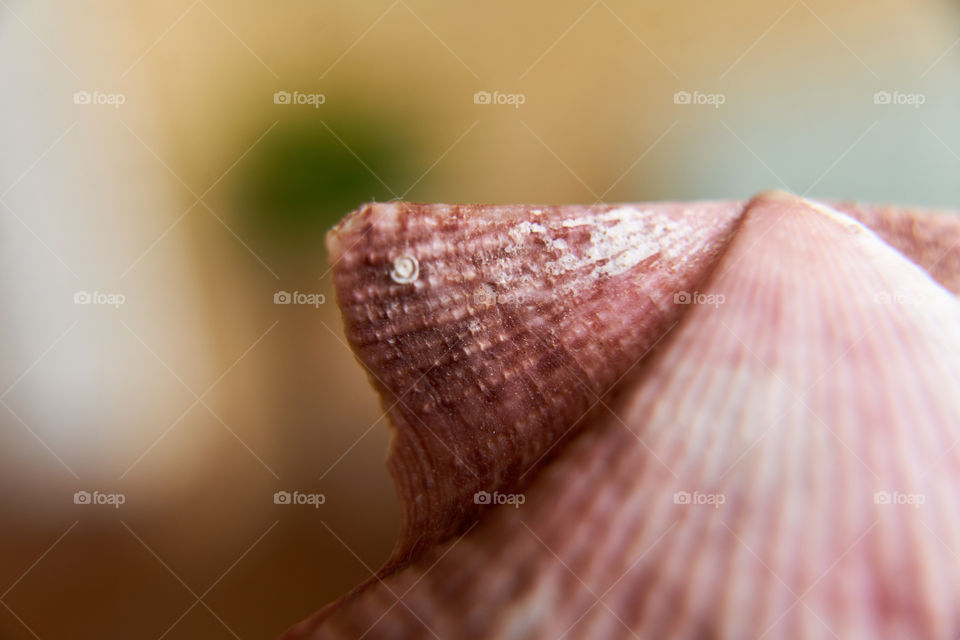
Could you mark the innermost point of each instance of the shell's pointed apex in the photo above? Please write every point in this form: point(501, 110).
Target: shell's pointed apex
point(337, 239)
point(775, 194)
point(334, 239)
point(779, 203)
point(490, 330)
point(382, 219)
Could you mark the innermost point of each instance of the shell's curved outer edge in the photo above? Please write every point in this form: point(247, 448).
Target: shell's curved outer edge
point(794, 310)
point(532, 313)
point(928, 237)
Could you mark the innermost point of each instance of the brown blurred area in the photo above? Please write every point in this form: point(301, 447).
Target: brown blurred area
point(158, 192)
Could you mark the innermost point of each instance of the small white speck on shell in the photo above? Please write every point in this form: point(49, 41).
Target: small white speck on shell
point(405, 270)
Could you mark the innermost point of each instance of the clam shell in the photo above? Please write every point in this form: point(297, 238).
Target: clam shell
point(782, 463)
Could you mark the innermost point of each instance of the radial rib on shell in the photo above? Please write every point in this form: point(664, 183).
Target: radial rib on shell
point(726, 420)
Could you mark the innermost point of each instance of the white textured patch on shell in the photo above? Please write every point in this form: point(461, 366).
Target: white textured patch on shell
point(619, 240)
point(405, 270)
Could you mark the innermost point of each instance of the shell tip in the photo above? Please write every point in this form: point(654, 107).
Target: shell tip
point(775, 195)
point(335, 240)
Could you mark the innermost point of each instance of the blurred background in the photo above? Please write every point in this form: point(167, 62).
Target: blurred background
point(169, 169)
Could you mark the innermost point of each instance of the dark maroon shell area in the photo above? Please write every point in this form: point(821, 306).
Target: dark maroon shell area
point(520, 319)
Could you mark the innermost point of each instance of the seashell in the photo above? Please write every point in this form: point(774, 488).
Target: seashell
point(699, 420)
point(527, 314)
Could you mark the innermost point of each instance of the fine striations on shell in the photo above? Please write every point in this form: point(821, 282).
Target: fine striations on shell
point(517, 319)
point(782, 462)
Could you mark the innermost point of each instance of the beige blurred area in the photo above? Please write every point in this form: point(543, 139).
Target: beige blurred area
point(150, 167)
